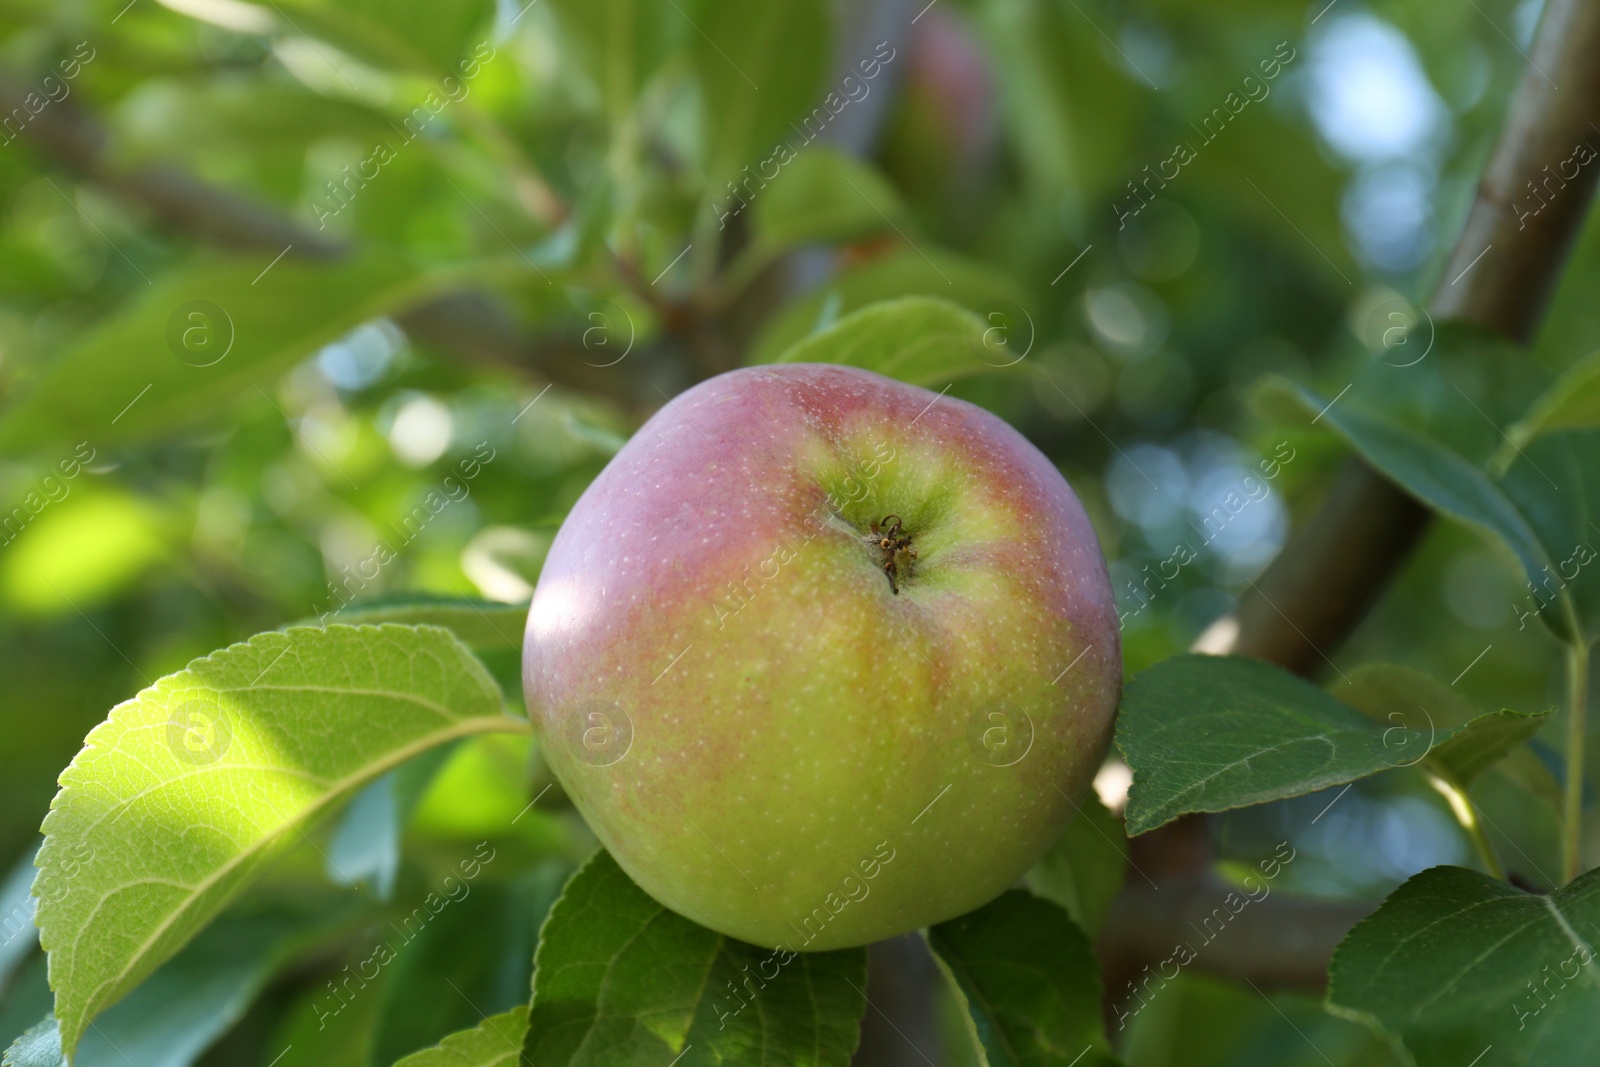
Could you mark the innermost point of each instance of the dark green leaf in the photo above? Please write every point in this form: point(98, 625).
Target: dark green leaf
point(1436, 476)
point(495, 1042)
point(1555, 482)
point(1210, 733)
point(1484, 742)
point(1085, 869)
point(1455, 962)
point(482, 945)
point(1572, 402)
point(1029, 982)
point(1395, 695)
point(195, 997)
point(1452, 382)
point(620, 979)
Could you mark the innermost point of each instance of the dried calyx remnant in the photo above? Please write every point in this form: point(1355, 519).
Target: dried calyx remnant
point(894, 548)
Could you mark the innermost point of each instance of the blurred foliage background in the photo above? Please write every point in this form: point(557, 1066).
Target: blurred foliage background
point(545, 247)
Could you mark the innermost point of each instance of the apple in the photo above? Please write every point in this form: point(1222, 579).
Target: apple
point(822, 657)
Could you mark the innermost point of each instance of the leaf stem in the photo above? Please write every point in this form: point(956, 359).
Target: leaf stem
point(1577, 721)
point(1467, 815)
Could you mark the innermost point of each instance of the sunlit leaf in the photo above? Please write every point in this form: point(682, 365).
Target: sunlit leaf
point(921, 271)
point(919, 340)
point(82, 551)
point(228, 760)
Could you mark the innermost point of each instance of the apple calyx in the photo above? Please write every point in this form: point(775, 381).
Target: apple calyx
point(893, 543)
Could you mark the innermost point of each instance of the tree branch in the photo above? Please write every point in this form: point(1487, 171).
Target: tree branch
point(1501, 275)
point(472, 324)
point(1275, 941)
point(178, 201)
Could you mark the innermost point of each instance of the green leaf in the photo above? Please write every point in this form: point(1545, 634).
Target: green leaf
point(620, 43)
point(1396, 695)
point(1485, 741)
point(1085, 869)
point(230, 758)
point(1452, 382)
point(482, 944)
point(419, 36)
point(1028, 980)
point(1455, 961)
point(199, 994)
point(199, 340)
point(917, 339)
point(620, 979)
point(480, 624)
point(1434, 475)
point(1211, 733)
point(1555, 482)
point(39, 1047)
point(824, 196)
point(760, 67)
point(923, 271)
point(256, 118)
point(1071, 114)
point(1571, 402)
point(496, 1042)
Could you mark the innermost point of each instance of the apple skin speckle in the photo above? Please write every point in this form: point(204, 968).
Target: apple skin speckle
point(748, 715)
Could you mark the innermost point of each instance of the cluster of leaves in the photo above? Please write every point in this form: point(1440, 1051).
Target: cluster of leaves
point(578, 162)
point(234, 758)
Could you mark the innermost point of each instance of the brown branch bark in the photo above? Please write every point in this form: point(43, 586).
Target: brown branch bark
point(1275, 941)
point(1337, 565)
